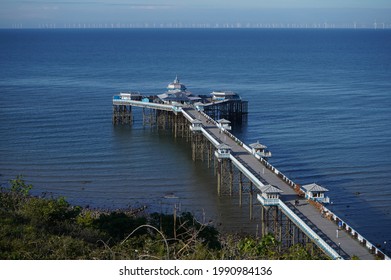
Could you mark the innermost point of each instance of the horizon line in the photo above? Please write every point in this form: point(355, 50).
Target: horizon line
point(235, 25)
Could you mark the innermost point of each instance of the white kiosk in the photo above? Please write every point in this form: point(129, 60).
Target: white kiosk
point(223, 123)
point(223, 151)
point(196, 125)
point(260, 150)
point(315, 192)
point(270, 195)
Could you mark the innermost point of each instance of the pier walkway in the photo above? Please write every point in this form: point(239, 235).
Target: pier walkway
point(343, 245)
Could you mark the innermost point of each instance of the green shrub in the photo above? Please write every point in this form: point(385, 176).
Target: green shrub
point(117, 225)
point(184, 227)
point(48, 212)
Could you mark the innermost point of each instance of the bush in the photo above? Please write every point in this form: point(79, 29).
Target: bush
point(186, 227)
point(48, 212)
point(117, 225)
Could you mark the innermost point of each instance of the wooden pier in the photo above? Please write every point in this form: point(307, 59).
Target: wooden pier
point(293, 214)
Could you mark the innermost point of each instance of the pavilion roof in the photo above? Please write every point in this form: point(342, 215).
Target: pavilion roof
point(223, 147)
point(314, 188)
point(257, 146)
point(270, 189)
point(196, 121)
point(223, 121)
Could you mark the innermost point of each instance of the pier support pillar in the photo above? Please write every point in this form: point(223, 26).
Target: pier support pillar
point(162, 119)
point(219, 167)
point(231, 178)
point(149, 117)
point(122, 114)
point(197, 145)
point(251, 200)
point(181, 127)
point(270, 221)
point(224, 177)
point(263, 221)
point(240, 188)
point(210, 152)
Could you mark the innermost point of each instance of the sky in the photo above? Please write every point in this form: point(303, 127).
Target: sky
point(63, 13)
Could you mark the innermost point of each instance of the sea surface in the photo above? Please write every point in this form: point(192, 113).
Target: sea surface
point(319, 99)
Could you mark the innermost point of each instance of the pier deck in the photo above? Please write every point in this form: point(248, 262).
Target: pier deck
point(325, 233)
point(327, 230)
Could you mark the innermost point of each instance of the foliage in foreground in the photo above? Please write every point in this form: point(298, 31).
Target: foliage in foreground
point(51, 228)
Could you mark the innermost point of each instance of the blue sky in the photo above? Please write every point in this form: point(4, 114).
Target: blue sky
point(33, 13)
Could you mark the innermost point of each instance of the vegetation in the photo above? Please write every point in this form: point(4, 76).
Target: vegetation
point(50, 228)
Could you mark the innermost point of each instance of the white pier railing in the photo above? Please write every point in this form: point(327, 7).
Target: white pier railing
point(309, 232)
point(149, 105)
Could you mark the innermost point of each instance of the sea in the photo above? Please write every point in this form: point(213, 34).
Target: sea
point(319, 99)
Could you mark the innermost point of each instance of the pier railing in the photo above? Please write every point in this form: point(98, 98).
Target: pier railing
point(142, 104)
point(309, 232)
point(269, 201)
point(350, 230)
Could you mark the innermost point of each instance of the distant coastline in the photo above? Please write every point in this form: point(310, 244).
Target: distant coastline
point(324, 25)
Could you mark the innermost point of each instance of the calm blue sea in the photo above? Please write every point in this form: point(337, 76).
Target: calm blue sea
point(319, 99)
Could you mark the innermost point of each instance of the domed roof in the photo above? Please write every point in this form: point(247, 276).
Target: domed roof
point(176, 85)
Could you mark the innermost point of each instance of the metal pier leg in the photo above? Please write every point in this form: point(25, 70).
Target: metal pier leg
point(115, 114)
point(209, 153)
point(240, 188)
point(231, 178)
point(251, 200)
point(263, 221)
point(149, 117)
point(175, 126)
point(197, 145)
point(275, 221)
point(122, 114)
point(219, 166)
point(193, 150)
